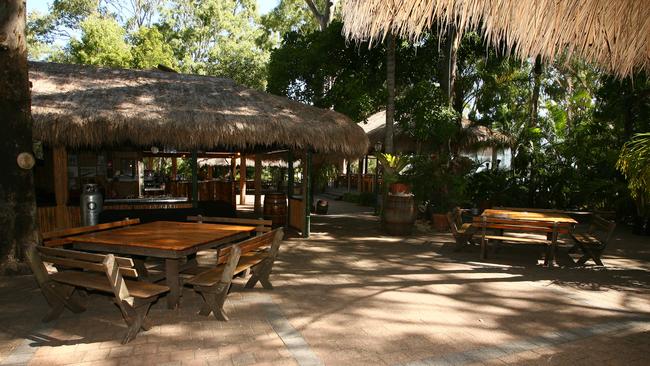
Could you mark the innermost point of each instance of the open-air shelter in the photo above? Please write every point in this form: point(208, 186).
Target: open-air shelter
point(99, 123)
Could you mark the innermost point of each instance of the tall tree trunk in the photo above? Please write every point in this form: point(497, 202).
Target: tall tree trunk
point(18, 220)
point(537, 83)
point(324, 17)
point(569, 102)
point(448, 64)
point(390, 85)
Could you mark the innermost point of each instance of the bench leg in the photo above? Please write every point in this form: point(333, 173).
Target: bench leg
point(136, 319)
point(261, 273)
point(214, 298)
point(484, 243)
point(59, 297)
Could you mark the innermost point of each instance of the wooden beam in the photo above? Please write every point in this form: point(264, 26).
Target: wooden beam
point(174, 168)
point(60, 168)
point(258, 184)
point(306, 189)
point(242, 180)
point(360, 177)
point(348, 173)
point(289, 185)
point(195, 179)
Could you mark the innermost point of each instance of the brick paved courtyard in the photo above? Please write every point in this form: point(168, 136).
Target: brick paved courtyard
point(352, 296)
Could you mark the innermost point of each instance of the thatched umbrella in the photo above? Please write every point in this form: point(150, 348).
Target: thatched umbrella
point(613, 33)
point(84, 106)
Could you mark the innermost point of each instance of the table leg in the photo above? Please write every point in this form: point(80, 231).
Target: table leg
point(138, 263)
point(171, 274)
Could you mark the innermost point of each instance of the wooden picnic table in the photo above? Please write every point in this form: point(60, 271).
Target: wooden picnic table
point(168, 240)
point(536, 222)
point(515, 220)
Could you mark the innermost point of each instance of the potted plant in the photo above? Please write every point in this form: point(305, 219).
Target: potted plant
point(634, 163)
point(393, 165)
point(439, 185)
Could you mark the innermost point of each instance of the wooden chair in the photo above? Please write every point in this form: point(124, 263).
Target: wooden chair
point(463, 232)
point(592, 243)
point(87, 271)
point(261, 226)
point(57, 238)
point(540, 227)
point(258, 254)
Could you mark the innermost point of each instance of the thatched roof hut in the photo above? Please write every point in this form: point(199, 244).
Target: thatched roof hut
point(84, 106)
point(474, 136)
point(613, 33)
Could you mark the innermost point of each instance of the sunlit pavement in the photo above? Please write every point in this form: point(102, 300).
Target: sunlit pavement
point(351, 295)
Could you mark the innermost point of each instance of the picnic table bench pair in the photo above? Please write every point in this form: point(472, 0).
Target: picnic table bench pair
point(106, 273)
point(490, 226)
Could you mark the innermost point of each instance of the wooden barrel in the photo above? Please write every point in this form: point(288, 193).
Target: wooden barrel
point(399, 215)
point(275, 208)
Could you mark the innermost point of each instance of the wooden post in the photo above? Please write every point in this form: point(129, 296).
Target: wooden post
point(242, 180)
point(349, 174)
point(289, 185)
point(174, 168)
point(60, 168)
point(210, 172)
point(233, 169)
point(306, 181)
point(360, 177)
point(195, 179)
point(258, 184)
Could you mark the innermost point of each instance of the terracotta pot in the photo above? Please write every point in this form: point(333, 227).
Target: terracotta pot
point(397, 188)
point(439, 222)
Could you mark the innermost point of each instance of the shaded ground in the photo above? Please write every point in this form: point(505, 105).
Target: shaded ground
point(353, 296)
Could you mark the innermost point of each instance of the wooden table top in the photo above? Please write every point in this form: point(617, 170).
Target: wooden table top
point(163, 235)
point(531, 216)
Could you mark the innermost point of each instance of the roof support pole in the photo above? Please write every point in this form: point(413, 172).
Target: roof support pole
point(258, 184)
point(360, 176)
point(307, 194)
point(195, 179)
point(242, 180)
point(174, 168)
point(289, 184)
point(60, 169)
point(348, 173)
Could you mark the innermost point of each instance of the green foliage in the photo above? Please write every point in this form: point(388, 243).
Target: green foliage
point(320, 68)
point(102, 43)
point(216, 37)
point(423, 115)
point(439, 182)
point(150, 49)
point(393, 165)
point(634, 163)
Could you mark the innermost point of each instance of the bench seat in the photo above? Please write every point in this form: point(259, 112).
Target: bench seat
point(257, 254)
point(211, 277)
point(137, 289)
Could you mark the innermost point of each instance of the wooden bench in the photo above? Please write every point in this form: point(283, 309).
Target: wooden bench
point(592, 243)
point(261, 226)
point(257, 254)
point(462, 232)
point(551, 230)
point(98, 272)
point(57, 238)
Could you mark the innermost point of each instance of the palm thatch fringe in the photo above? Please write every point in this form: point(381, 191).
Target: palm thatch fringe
point(613, 33)
point(83, 106)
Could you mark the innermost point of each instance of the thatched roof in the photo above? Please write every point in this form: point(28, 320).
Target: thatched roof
point(474, 136)
point(613, 33)
point(83, 106)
